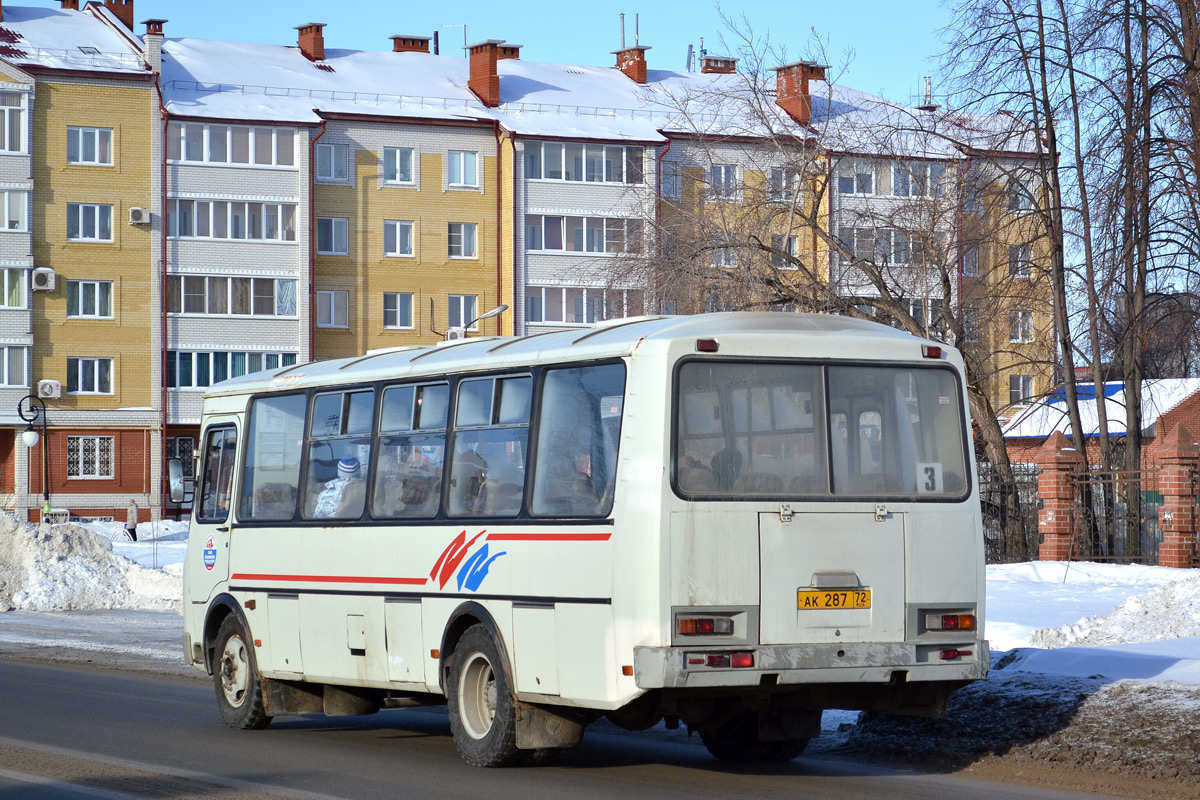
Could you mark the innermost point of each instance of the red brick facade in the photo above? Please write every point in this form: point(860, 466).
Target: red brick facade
point(1059, 461)
point(131, 468)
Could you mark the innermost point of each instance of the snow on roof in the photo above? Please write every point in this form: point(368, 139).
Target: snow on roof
point(65, 39)
point(1049, 414)
point(230, 80)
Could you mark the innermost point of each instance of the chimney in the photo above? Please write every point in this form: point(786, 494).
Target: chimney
point(791, 88)
point(311, 40)
point(508, 51)
point(70, 5)
point(632, 61)
point(484, 80)
point(410, 44)
point(122, 10)
point(720, 65)
point(152, 43)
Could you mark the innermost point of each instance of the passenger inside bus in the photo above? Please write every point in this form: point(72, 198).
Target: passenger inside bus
point(344, 495)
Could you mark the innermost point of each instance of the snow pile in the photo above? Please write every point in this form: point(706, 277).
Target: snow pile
point(1167, 612)
point(68, 568)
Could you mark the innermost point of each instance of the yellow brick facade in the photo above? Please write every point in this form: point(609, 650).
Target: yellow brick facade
point(429, 274)
point(129, 110)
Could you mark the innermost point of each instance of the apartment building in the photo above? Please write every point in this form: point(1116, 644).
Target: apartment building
point(80, 315)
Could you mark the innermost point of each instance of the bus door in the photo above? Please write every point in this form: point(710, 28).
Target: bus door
point(832, 577)
point(209, 533)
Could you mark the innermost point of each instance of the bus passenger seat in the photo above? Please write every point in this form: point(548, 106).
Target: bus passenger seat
point(809, 484)
point(758, 483)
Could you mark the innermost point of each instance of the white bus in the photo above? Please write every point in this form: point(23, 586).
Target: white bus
point(729, 521)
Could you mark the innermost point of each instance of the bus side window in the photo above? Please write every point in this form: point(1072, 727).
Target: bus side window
point(487, 469)
point(273, 452)
point(339, 454)
point(579, 428)
point(412, 444)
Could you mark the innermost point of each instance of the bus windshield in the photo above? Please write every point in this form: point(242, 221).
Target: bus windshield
point(755, 429)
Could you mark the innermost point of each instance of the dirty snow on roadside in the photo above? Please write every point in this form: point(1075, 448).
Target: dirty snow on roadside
point(71, 567)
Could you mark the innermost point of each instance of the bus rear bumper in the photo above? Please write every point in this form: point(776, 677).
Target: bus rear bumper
point(778, 665)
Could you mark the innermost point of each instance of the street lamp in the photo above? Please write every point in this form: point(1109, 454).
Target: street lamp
point(460, 331)
point(31, 413)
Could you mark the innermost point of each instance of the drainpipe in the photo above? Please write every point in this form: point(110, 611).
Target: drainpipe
point(658, 213)
point(162, 300)
point(312, 241)
point(499, 229)
point(520, 265)
point(830, 261)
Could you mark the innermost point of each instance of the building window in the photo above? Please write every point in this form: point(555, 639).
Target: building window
point(592, 163)
point(231, 144)
point(331, 236)
point(971, 324)
point(461, 238)
point(917, 179)
point(398, 165)
point(89, 222)
point(461, 168)
point(12, 122)
point(89, 376)
point(397, 310)
point(14, 205)
point(970, 260)
point(1020, 389)
point(197, 370)
point(672, 180)
point(220, 296)
point(183, 448)
point(555, 305)
point(722, 257)
point(220, 219)
point(784, 184)
point(89, 456)
point(722, 182)
point(1017, 197)
point(333, 309)
point(1020, 327)
point(89, 146)
point(856, 176)
point(1020, 261)
point(89, 299)
point(787, 251)
point(12, 286)
point(583, 234)
point(461, 311)
point(12, 366)
point(397, 237)
point(331, 162)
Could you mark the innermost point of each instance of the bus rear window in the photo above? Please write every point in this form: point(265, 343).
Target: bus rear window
point(787, 430)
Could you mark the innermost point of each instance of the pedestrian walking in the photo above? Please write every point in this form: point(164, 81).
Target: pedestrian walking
point(131, 520)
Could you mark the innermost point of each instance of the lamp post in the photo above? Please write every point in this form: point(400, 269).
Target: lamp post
point(31, 408)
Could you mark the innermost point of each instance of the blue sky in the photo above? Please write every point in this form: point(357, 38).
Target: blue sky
point(891, 43)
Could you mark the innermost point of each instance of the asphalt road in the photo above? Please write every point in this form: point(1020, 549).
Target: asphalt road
point(87, 732)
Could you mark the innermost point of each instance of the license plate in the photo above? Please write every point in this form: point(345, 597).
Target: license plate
point(822, 599)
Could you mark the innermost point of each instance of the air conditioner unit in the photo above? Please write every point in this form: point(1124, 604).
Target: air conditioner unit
point(49, 389)
point(454, 334)
point(43, 279)
point(139, 216)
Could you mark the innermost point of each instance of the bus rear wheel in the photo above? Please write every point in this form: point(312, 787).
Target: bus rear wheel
point(235, 676)
point(482, 715)
point(737, 740)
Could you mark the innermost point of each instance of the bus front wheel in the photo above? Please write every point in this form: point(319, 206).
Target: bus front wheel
point(235, 676)
point(737, 740)
point(482, 715)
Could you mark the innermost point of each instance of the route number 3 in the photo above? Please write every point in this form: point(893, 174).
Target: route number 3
point(929, 478)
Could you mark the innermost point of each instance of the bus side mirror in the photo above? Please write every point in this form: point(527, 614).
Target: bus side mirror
point(175, 480)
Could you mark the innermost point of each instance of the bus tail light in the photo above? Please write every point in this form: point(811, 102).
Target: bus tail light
point(952, 654)
point(950, 622)
point(707, 346)
point(931, 351)
point(704, 626)
point(741, 660)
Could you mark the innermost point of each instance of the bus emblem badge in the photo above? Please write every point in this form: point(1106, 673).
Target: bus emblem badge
point(210, 554)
